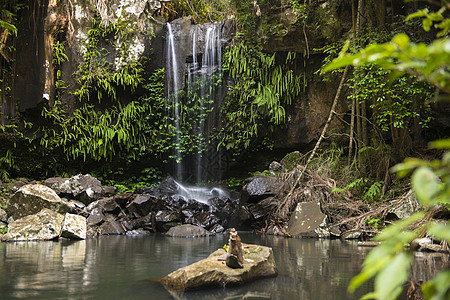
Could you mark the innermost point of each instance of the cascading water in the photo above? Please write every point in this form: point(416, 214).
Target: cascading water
point(202, 92)
point(201, 194)
point(211, 65)
point(172, 100)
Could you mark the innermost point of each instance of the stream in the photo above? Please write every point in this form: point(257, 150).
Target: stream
point(127, 267)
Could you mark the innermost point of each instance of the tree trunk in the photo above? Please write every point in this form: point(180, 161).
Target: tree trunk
point(365, 138)
point(358, 125)
point(380, 11)
point(352, 129)
point(50, 24)
point(359, 16)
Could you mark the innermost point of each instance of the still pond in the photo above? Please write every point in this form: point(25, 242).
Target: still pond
point(127, 267)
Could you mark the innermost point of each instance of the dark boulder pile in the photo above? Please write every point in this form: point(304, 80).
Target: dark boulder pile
point(104, 212)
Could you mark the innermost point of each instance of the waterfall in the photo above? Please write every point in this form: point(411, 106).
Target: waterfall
point(201, 90)
point(211, 62)
point(172, 100)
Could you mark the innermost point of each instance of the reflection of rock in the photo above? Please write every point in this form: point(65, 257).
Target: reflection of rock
point(31, 198)
point(210, 272)
point(74, 254)
point(187, 231)
point(45, 225)
point(308, 220)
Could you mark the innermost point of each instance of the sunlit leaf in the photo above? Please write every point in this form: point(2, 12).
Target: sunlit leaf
point(440, 231)
point(388, 283)
point(402, 40)
point(440, 144)
point(399, 227)
point(425, 184)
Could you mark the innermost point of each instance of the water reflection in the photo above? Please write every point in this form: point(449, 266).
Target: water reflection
point(124, 267)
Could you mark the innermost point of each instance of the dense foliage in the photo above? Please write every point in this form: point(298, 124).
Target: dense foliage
point(390, 261)
point(262, 88)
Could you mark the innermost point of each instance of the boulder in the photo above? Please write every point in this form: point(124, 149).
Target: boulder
point(109, 190)
point(111, 227)
point(104, 205)
point(308, 221)
point(260, 187)
point(207, 220)
point(95, 217)
point(211, 272)
point(261, 209)
point(217, 229)
point(165, 219)
point(168, 186)
point(240, 218)
point(140, 206)
point(74, 227)
point(3, 216)
point(82, 187)
point(16, 185)
point(187, 231)
point(32, 198)
point(291, 160)
point(142, 222)
point(406, 207)
point(197, 206)
point(45, 225)
point(275, 168)
point(122, 199)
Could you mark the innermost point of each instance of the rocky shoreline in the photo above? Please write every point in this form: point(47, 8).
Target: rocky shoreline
point(44, 210)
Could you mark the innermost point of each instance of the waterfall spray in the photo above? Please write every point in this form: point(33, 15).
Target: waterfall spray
point(172, 100)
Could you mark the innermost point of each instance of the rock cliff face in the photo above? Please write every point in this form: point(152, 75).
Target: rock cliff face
point(69, 22)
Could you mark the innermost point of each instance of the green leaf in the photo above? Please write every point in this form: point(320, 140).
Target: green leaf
point(418, 14)
point(393, 230)
point(440, 231)
point(439, 287)
point(8, 26)
point(409, 164)
point(402, 40)
point(426, 185)
point(440, 144)
point(388, 283)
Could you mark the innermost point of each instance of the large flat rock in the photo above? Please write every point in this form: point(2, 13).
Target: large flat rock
point(211, 272)
point(308, 220)
point(31, 198)
point(45, 225)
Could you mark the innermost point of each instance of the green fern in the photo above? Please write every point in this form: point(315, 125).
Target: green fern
point(374, 192)
point(263, 86)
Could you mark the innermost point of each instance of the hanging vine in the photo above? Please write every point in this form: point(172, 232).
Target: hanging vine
point(263, 85)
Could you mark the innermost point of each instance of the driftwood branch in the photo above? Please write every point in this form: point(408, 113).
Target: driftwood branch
point(330, 117)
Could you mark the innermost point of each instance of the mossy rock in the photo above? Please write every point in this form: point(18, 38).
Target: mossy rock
point(291, 160)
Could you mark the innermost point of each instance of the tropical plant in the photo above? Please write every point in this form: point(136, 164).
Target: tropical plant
point(97, 76)
point(263, 85)
point(389, 262)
